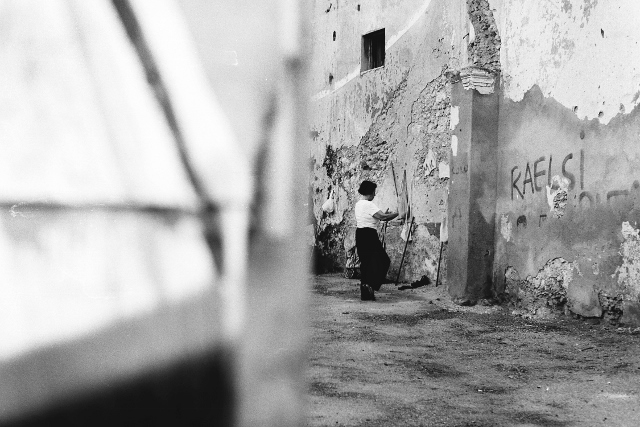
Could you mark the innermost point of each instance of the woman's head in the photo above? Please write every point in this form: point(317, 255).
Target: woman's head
point(367, 188)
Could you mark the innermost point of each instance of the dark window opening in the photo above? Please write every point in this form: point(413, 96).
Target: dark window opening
point(334, 36)
point(330, 78)
point(373, 50)
point(358, 8)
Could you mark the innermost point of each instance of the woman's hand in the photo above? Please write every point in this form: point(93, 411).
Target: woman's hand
point(385, 216)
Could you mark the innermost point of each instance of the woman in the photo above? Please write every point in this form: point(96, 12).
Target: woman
point(374, 261)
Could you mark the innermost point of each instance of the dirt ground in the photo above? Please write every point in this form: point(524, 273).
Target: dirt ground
point(412, 358)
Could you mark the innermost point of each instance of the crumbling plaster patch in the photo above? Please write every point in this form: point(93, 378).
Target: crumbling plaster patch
point(343, 168)
point(421, 257)
point(612, 305)
point(484, 38)
point(505, 227)
point(578, 52)
point(546, 291)
point(479, 79)
point(557, 195)
point(429, 163)
point(430, 123)
point(395, 115)
point(559, 285)
point(444, 171)
point(455, 117)
point(388, 139)
point(629, 272)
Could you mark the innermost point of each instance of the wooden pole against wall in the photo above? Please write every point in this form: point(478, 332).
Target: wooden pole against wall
point(406, 243)
point(439, 260)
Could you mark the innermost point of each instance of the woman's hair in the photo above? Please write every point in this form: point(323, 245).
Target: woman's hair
point(367, 187)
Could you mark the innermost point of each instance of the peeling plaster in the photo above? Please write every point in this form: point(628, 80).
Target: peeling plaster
point(429, 164)
point(505, 227)
point(612, 305)
point(443, 170)
point(557, 195)
point(455, 117)
point(545, 291)
point(454, 145)
point(484, 38)
point(479, 79)
point(629, 272)
point(548, 43)
point(411, 122)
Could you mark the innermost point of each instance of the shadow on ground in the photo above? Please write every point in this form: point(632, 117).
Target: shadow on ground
point(412, 358)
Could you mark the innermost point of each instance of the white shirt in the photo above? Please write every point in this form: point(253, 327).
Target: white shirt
point(364, 214)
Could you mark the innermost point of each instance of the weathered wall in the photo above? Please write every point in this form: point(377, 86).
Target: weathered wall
point(472, 191)
point(579, 52)
point(566, 216)
point(568, 178)
point(362, 123)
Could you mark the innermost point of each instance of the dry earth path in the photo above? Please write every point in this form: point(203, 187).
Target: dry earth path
point(412, 358)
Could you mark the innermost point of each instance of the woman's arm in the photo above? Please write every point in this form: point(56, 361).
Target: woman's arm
point(382, 216)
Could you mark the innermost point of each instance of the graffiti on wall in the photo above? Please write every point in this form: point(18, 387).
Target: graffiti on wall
point(557, 176)
point(535, 176)
point(612, 195)
point(529, 180)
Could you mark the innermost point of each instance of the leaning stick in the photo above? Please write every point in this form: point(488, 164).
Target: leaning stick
point(405, 250)
point(384, 234)
point(395, 185)
point(439, 259)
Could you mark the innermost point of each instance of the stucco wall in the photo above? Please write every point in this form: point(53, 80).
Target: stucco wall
point(566, 220)
point(397, 114)
point(568, 179)
point(579, 52)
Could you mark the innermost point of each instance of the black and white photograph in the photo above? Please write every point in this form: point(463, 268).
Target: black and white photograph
point(320, 213)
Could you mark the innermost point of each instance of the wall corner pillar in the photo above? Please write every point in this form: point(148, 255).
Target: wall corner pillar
point(473, 184)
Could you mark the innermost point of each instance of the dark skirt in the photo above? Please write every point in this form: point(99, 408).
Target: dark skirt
point(374, 261)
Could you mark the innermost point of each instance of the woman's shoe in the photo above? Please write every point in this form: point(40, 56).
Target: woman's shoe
point(366, 293)
point(372, 296)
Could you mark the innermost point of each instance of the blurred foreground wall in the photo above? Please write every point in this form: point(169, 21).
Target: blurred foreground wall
point(143, 273)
